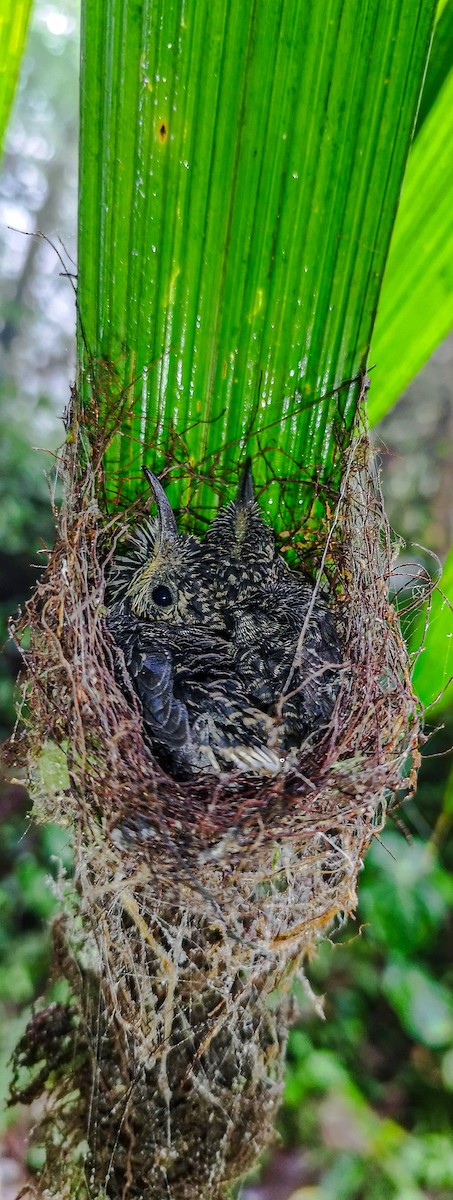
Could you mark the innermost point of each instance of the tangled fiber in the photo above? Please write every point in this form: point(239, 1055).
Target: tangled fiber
point(194, 904)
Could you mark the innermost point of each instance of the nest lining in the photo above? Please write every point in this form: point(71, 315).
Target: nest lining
point(197, 901)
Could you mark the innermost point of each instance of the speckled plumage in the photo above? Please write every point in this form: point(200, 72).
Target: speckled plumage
point(197, 716)
point(233, 656)
point(286, 644)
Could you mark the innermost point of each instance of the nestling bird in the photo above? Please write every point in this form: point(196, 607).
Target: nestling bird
point(286, 645)
point(232, 655)
point(169, 623)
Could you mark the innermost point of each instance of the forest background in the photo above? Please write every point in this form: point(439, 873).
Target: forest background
point(369, 1097)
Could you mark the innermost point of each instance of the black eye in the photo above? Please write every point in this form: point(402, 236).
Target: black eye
point(162, 595)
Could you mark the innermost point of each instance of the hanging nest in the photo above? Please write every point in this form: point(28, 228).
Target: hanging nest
point(194, 903)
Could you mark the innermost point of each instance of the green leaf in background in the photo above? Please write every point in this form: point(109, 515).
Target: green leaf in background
point(14, 18)
point(440, 61)
point(433, 672)
point(424, 1007)
point(405, 878)
point(240, 173)
point(415, 310)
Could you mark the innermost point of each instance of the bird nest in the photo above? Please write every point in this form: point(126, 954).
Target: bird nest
point(195, 902)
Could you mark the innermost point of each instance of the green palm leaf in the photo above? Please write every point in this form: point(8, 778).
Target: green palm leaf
point(416, 312)
point(240, 173)
point(14, 19)
point(416, 307)
point(433, 672)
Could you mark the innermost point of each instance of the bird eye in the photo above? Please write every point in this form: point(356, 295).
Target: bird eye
point(162, 595)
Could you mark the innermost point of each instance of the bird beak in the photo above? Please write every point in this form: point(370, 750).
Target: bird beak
point(244, 496)
point(229, 530)
point(167, 528)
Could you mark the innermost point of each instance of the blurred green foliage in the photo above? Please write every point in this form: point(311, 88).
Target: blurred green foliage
point(37, 191)
point(30, 859)
point(370, 1091)
point(14, 18)
point(26, 527)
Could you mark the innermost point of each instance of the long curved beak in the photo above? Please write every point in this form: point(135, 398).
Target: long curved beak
point(167, 526)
